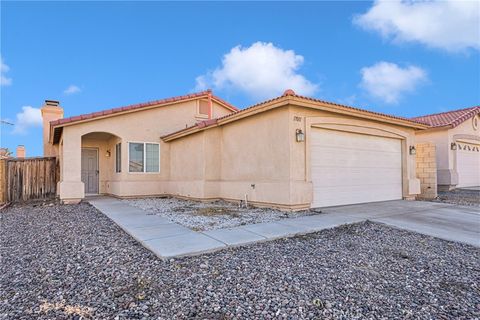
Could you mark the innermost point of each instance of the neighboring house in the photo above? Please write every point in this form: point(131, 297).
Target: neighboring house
point(5, 153)
point(456, 135)
point(291, 152)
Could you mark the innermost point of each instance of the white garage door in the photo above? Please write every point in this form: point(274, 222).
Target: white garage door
point(348, 168)
point(468, 165)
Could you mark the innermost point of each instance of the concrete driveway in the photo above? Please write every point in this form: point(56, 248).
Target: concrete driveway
point(446, 221)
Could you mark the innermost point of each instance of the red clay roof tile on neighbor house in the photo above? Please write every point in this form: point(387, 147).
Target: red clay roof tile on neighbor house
point(159, 103)
point(287, 93)
point(449, 118)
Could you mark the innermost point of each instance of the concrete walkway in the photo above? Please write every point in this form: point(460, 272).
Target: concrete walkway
point(160, 235)
point(168, 239)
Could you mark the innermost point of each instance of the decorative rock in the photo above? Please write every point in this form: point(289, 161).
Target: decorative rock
point(70, 261)
point(201, 216)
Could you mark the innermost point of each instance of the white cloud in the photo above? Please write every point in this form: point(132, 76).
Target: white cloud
point(4, 80)
point(29, 117)
point(350, 100)
point(72, 89)
point(388, 81)
point(261, 71)
point(452, 25)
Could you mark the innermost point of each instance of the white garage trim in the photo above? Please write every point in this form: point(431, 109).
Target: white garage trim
point(348, 168)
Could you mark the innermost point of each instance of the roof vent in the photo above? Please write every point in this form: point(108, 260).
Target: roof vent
point(52, 103)
point(289, 92)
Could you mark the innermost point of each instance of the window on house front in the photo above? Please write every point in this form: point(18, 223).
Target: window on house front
point(152, 157)
point(144, 157)
point(118, 157)
point(135, 161)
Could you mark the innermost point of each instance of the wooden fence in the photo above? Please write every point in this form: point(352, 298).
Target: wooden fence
point(29, 178)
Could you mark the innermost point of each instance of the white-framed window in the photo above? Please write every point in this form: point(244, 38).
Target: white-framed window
point(118, 157)
point(143, 157)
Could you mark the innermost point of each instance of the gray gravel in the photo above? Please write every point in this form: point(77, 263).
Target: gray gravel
point(70, 261)
point(203, 216)
point(463, 197)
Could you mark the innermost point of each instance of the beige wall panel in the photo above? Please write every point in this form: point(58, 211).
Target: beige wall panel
point(256, 148)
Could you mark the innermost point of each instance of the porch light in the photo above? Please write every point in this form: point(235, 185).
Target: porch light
point(108, 154)
point(299, 135)
point(413, 151)
point(453, 146)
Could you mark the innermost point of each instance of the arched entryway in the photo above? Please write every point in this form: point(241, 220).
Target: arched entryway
point(98, 157)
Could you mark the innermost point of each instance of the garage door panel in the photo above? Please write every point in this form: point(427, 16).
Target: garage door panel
point(343, 195)
point(357, 176)
point(340, 139)
point(468, 165)
point(330, 157)
point(349, 168)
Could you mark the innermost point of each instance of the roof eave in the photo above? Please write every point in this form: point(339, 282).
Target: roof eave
point(326, 106)
point(107, 114)
point(298, 101)
point(437, 128)
point(225, 104)
point(55, 134)
point(140, 107)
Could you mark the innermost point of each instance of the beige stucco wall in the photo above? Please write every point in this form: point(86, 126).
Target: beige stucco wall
point(144, 126)
point(255, 158)
point(187, 158)
point(447, 176)
point(248, 157)
point(49, 113)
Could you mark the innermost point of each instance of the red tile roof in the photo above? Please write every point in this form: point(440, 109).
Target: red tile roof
point(289, 93)
point(449, 118)
point(138, 106)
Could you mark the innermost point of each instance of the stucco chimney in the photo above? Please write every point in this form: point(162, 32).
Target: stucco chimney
point(21, 151)
point(51, 111)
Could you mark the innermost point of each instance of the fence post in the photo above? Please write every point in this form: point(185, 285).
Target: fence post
point(3, 181)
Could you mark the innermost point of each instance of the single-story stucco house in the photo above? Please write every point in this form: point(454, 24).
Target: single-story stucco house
point(290, 152)
point(456, 135)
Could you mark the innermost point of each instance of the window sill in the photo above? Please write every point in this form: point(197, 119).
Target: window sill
point(144, 172)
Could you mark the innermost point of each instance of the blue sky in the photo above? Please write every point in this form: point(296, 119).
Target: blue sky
point(98, 55)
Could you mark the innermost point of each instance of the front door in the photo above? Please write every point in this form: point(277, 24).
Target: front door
point(90, 170)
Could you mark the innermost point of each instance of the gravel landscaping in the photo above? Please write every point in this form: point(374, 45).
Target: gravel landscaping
point(463, 197)
point(63, 261)
point(201, 216)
